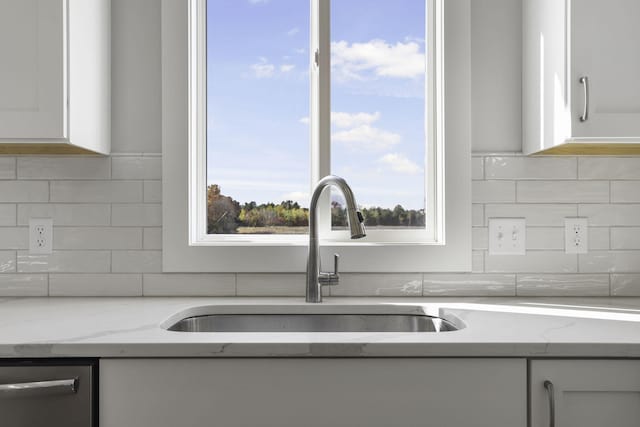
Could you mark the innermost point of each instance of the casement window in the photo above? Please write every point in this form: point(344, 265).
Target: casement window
point(262, 98)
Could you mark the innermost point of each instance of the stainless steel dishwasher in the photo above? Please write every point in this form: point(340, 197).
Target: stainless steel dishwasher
point(47, 393)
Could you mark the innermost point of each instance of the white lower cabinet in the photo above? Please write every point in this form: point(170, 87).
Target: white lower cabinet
point(389, 392)
point(585, 393)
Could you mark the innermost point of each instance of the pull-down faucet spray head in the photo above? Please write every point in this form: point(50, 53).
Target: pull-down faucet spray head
point(356, 223)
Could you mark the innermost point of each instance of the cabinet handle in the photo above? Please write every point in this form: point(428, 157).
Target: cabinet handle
point(69, 386)
point(548, 385)
point(585, 83)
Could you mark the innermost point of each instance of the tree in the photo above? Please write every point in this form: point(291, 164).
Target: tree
point(338, 215)
point(225, 215)
point(222, 212)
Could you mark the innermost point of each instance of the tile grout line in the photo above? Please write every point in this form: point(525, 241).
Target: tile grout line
point(235, 279)
point(484, 168)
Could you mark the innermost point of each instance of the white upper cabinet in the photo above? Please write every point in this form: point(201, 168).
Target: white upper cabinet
point(581, 70)
point(32, 68)
point(55, 76)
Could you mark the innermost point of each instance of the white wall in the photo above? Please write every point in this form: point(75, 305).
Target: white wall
point(136, 77)
point(107, 210)
point(496, 77)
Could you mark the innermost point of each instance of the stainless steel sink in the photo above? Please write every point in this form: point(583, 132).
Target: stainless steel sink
point(304, 322)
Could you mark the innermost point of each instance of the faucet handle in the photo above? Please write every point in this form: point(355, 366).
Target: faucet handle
point(330, 279)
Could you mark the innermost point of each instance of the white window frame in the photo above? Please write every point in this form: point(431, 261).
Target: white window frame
point(187, 247)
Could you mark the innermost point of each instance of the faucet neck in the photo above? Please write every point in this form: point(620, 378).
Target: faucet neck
point(314, 286)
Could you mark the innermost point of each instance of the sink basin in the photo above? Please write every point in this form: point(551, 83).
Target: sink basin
point(312, 323)
point(292, 321)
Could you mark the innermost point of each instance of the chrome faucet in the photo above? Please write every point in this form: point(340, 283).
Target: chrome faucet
point(315, 278)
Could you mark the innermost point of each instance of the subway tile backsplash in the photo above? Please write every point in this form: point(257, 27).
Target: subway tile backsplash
point(53, 168)
point(96, 191)
point(7, 168)
point(519, 168)
point(609, 168)
point(107, 214)
point(81, 215)
point(563, 191)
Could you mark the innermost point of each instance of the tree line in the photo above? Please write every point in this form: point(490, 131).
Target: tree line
point(225, 215)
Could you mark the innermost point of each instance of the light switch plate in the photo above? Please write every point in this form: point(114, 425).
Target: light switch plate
point(576, 234)
point(507, 236)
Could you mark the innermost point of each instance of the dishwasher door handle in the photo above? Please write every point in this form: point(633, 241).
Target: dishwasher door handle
point(39, 388)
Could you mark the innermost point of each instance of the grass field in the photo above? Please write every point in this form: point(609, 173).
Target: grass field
point(273, 230)
point(304, 230)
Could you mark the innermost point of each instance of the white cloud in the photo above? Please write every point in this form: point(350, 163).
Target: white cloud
point(263, 69)
point(419, 40)
point(285, 68)
point(293, 31)
point(353, 61)
point(300, 51)
point(400, 163)
point(366, 136)
point(258, 1)
point(356, 131)
point(350, 120)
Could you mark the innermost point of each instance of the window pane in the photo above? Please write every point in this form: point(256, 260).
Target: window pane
point(257, 113)
point(378, 142)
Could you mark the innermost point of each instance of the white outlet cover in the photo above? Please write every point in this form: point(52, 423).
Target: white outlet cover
point(40, 235)
point(576, 235)
point(507, 236)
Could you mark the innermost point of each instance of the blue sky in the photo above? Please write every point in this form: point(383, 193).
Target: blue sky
point(258, 99)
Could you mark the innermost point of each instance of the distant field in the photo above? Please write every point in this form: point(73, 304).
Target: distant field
point(304, 230)
point(273, 230)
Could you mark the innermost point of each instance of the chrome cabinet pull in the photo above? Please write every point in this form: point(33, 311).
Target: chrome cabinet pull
point(35, 388)
point(548, 385)
point(585, 83)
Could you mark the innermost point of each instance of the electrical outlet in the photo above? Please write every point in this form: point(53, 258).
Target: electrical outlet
point(40, 235)
point(576, 234)
point(507, 236)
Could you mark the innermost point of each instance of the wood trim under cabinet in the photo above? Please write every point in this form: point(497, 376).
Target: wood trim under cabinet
point(593, 149)
point(45, 149)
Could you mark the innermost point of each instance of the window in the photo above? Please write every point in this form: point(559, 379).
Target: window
point(257, 91)
point(381, 137)
point(247, 136)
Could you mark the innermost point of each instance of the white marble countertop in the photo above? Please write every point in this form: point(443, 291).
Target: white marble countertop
point(501, 327)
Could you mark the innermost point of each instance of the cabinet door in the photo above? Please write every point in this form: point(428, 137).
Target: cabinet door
point(32, 90)
point(313, 392)
point(604, 48)
point(586, 393)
